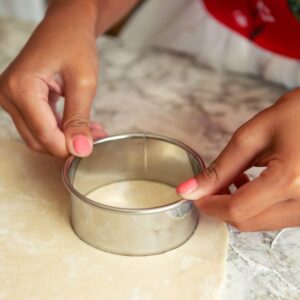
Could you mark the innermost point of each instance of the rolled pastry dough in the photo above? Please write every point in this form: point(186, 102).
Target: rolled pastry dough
point(135, 194)
point(41, 257)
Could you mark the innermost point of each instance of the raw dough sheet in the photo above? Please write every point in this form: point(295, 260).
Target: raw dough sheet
point(41, 257)
point(135, 194)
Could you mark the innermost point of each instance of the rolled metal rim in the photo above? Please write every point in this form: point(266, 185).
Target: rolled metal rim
point(69, 162)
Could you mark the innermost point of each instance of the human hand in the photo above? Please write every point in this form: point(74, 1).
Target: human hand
point(60, 59)
point(272, 200)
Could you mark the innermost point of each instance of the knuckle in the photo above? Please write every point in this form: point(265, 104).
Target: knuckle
point(277, 174)
point(76, 121)
point(211, 173)
point(235, 213)
point(12, 83)
point(241, 139)
point(292, 182)
point(41, 135)
point(87, 82)
point(9, 85)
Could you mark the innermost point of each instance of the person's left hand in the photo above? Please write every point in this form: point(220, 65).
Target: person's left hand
point(270, 201)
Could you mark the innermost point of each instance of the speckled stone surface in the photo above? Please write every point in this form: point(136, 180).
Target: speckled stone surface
point(170, 94)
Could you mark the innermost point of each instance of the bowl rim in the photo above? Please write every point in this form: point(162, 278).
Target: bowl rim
point(70, 160)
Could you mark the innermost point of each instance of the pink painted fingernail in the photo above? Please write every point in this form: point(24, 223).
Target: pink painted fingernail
point(187, 187)
point(81, 145)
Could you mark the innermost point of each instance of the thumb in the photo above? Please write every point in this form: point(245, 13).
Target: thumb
point(79, 94)
point(232, 161)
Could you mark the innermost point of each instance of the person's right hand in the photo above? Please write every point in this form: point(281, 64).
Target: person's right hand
point(60, 59)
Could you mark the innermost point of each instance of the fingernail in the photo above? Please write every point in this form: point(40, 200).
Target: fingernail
point(187, 187)
point(82, 145)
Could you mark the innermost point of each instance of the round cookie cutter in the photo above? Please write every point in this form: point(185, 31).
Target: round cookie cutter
point(127, 231)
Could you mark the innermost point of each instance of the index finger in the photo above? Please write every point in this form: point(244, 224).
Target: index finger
point(248, 201)
point(33, 103)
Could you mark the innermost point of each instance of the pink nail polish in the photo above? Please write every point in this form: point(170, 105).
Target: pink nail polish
point(187, 187)
point(81, 145)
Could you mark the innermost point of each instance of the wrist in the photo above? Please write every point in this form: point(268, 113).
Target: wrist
point(83, 13)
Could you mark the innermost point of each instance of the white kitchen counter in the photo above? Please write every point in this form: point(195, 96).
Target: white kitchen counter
point(157, 91)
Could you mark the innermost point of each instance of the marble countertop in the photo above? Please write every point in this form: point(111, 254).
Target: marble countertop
point(167, 93)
